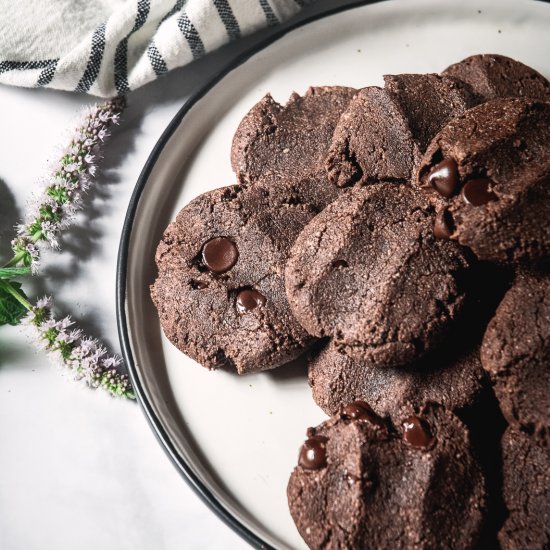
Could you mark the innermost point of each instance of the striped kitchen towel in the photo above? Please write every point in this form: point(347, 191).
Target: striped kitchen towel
point(109, 47)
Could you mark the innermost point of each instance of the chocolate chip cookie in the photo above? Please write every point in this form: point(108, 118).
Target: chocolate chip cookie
point(516, 353)
point(287, 144)
point(363, 482)
point(493, 76)
point(488, 172)
point(526, 473)
point(383, 132)
point(454, 380)
point(220, 289)
point(368, 272)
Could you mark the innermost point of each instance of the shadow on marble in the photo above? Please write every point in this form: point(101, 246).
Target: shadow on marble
point(9, 216)
point(10, 352)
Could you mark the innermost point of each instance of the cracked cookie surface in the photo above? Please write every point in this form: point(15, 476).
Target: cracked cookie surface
point(220, 289)
point(286, 145)
point(516, 353)
point(526, 489)
point(488, 173)
point(384, 131)
point(365, 482)
point(369, 273)
point(454, 380)
point(492, 76)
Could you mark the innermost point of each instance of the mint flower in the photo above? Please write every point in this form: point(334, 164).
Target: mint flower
point(69, 347)
point(50, 211)
point(54, 207)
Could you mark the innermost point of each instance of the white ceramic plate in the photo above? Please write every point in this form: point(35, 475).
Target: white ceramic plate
point(236, 439)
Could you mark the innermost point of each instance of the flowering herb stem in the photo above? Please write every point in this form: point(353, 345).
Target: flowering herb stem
point(55, 207)
point(52, 210)
point(16, 259)
point(71, 348)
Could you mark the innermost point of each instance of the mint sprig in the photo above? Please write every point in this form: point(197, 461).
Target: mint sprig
point(11, 272)
point(51, 210)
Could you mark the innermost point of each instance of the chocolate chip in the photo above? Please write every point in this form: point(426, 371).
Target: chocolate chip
point(416, 433)
point(313, 455)
point(444, 178)
point(476, 192)
point(220, 254)
point(198, 285)
point(339, 263)
point(444, 224)
point(362, 412)
point(249, 299)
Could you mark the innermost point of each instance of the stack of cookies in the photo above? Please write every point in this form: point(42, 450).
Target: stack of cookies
point(398, 238)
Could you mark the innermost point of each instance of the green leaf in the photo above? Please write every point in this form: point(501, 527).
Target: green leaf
point(10, 272)
point(11, 310)
point(59, 194)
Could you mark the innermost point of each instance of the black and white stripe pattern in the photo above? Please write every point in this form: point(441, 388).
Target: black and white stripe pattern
point(25, 65)
point(47, 74)
point(191, 35)
point(270, 17)
point(121, 55)
point(155, 58)
point(138, 42)
point(94, 61)
point(228, 18)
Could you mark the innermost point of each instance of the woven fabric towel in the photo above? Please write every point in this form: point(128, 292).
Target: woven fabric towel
point(109, 47)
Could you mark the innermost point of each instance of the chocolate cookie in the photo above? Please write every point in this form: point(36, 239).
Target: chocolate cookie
point(526, 473)
point(368, 272)
point(493, 76)
point(220, 289)
point(488, 171)
point(287, 145)
point(455, 381)
point(383, 132)
point(362, 482)
point(516, 353)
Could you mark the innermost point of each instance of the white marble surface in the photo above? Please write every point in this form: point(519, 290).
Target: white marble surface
point(79, 469)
